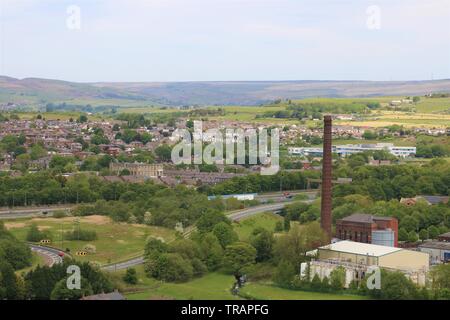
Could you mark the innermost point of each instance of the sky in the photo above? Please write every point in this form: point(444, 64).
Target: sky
point(224, 40)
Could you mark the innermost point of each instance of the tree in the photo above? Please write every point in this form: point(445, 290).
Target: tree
point(402, 234)
point(225, 234)
point(395, 286)
point(211, 251)
point(279, 226)
point(412, 237)
point(62, 292)
point(287, 223)
point(82, 118)
point(293, 246)
point(263, 242)
point(433, 232)
point(423, 234)
point(130, 276)
point(440, 280)
point(210, 219)
point(337, 279)
point(8, 282)
point(169, 267)
point(155, 246)
point(164, 152)
point(284, 274)
point(238, 256)
point(34, 234)
point(369, 135)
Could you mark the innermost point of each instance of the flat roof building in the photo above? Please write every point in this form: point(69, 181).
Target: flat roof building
point(439, 251)
point(358, 258)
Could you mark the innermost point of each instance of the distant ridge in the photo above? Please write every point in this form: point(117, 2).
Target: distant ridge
point(206, 93)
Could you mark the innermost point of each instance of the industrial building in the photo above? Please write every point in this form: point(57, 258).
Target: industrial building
point(359, 258)
point(445, 237)
point(368, 228)
point(349, 149)
point(439, 251)
point(138, 169)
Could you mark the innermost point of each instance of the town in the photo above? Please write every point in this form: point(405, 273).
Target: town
point(239, 152)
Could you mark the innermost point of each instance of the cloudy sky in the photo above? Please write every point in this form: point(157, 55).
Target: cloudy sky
point(193, 40)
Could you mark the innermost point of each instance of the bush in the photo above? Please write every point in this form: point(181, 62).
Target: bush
point(35, 235)
point(169, 267)
point(130, 276)
point(59, 214)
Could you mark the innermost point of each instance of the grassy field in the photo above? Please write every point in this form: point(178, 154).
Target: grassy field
point(213, 286)
point(432, 105)
point(216, 286)
point(116, 241)
point(261, 291)
point(265, 220)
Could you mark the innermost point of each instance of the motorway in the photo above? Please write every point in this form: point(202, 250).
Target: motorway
point(19, 213)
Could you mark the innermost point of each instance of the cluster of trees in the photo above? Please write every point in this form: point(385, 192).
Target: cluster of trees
point(433, 147)
point(14, 255)
point(255, 183)
point(129, 135)
point(150, 204)
point(394, 182)
point(13, 144)
point(214, 247)
point(45, 283)
point(315, 110)
point(53, 107)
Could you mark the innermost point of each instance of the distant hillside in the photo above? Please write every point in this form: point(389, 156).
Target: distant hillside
point(33, 90)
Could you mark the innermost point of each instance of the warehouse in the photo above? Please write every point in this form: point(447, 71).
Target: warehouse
point(358, 257)
point(439, 251)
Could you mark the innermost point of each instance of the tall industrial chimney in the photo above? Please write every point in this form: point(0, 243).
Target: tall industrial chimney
point(325, 215)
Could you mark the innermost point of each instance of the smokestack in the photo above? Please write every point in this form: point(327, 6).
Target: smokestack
point(325, 215)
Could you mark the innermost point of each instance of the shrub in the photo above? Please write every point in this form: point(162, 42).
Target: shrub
point(35, 235)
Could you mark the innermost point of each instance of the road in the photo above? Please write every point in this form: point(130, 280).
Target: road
point(51, 255)
point(124, 265)
point(20, 213)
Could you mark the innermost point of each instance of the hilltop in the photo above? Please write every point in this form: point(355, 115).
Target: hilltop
point(41, 91)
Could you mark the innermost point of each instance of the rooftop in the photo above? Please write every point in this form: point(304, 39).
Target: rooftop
point(360, 248)
point(364, 218)
point(435, 245)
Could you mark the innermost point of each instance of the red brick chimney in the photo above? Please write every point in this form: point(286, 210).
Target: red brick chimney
point(325, 216)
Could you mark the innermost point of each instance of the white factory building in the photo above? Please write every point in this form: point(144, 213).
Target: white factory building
point(359, 258)
point(349, 149)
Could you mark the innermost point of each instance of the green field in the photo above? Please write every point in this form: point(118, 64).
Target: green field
point(116, 241)
point(213, 286)
point(245, 227)
point(432, 105)
point(269, 292)
point(216, 286)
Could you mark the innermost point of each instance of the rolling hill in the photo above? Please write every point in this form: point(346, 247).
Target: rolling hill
point(40, 91)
